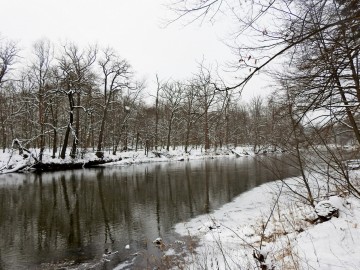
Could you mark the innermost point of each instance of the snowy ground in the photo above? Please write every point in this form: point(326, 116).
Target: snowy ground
point(229, 236)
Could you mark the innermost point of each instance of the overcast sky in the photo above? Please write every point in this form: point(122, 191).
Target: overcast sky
point(133, 27)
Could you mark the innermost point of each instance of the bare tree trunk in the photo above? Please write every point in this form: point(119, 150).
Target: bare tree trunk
point(349, 113)
point(69, 126)
point(77, 128)
point(54, 147)
point(298, 154)
point(54, 115)
point(137, 141)
point(206, 130)
point(187, 136)
point(41, 121)
point(157, 111)
point(169, 133)
point(99, 152)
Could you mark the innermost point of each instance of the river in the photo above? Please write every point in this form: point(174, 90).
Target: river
point(71, 218)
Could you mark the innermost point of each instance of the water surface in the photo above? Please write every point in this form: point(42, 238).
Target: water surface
point(60, 219)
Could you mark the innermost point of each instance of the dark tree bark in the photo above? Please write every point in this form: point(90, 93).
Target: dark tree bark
point(116, 78)
point(70, 124)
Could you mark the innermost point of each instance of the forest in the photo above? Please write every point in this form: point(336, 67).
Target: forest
point(73, 100)
point(87, 99)
point(64, 101)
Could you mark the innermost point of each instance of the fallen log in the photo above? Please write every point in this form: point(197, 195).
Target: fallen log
point(53, 166)
point(234, 152)
point(45, 167)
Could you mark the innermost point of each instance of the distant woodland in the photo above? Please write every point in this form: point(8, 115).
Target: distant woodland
point(73, 99)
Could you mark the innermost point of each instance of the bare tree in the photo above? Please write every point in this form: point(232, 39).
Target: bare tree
point(270, 27)
point(328, 79)
point(206, 96)
point(8, 54)
point(126, 113)
point(191, 111)
point(76, 71)
point(257, 124)
point(116, 76)
point(40, 73)
point(172, 94)
point(157, 111)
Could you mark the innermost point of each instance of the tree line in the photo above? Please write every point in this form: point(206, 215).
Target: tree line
point(71, 100)
point(68, 98)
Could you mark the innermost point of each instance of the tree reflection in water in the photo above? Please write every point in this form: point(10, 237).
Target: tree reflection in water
point(76, 215)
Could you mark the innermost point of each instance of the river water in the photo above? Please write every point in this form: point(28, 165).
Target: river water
point(71, 218)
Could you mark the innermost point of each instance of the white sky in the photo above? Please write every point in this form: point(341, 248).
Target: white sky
point(132, 27)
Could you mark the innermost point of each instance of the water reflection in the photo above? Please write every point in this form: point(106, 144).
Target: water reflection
point(74, 216)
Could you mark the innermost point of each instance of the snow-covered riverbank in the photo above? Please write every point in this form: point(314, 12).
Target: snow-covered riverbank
point(12, 161)
point(269, 218)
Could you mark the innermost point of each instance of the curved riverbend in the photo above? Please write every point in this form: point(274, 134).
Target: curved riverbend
point(74, 217)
